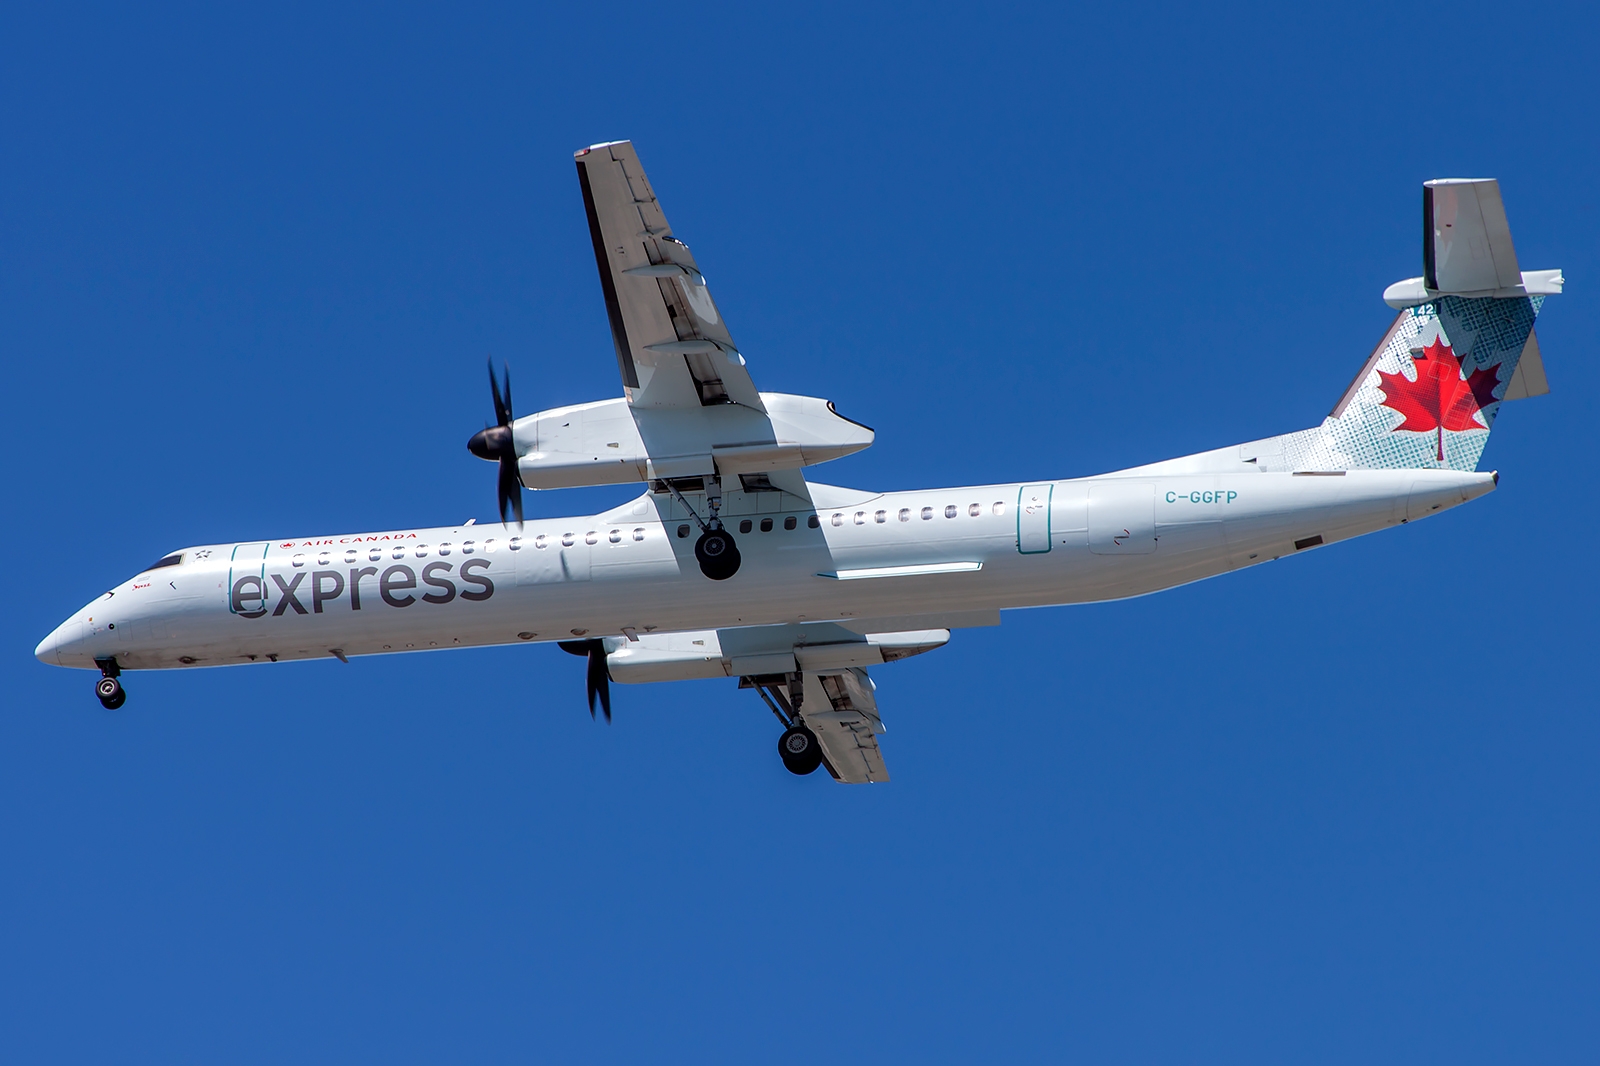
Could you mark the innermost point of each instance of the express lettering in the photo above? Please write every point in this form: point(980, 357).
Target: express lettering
point(396, 585)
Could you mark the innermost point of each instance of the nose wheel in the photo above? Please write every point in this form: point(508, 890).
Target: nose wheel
point(108, 689)
point(112, 694)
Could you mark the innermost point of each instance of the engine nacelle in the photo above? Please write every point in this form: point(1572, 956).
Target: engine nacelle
point(763, 650)
point(610, 443)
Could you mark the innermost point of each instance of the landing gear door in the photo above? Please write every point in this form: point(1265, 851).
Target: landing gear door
point(1033, 519)
point(247, 580)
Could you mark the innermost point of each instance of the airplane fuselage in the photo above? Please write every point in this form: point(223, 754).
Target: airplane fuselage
point(904, 560)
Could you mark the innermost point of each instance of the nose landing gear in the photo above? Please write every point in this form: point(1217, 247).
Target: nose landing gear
point(108, 689)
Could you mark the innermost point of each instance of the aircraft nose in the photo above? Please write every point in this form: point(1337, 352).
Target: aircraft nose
point(62, 637)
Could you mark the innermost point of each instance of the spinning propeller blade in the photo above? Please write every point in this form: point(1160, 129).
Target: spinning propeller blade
point(598, 681)
point(497, 444)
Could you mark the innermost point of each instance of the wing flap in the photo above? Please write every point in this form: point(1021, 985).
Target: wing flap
point(841, 710)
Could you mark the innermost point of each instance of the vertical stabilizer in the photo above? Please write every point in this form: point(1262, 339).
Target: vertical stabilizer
point(1462, 344)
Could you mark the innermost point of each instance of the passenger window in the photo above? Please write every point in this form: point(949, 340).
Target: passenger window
point(590, 537)
point(790, 522)
point(813, 522)
point(488, 546)
point(975, 509)
point(444, 548)
point(881, 517)
point(350, 556)
point(683, 531)
point(861, 518)
point(999, 508)
point(615, 536)
point(324, 558)
point(422, 551)
point(927, 514)
point(515, 544)
point(541, 542)
point(300, 560)
point(838, 519)
point(374, 555)
point(568, 539)
point(744, 526)
point(638, 534)
point(766, 525)
point(466, 547)
point(399, 552)
point(905, 514)
point(950, 511)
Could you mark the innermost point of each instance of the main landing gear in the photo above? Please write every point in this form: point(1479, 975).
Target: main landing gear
point(715, 551)
point(109, 690)
point(717, 554)
point(798, 747)
point(799, 750)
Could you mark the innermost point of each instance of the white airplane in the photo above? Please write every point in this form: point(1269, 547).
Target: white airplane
point(732, 564)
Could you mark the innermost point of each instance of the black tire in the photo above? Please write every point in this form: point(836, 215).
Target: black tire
point(116, 701)
point(108, 689)
point(717, 554)
point(799, 750)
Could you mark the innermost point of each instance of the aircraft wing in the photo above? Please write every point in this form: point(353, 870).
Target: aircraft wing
point(673, 348)
point(841, 710)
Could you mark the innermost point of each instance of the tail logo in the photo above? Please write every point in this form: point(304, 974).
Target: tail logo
point(1440, 398)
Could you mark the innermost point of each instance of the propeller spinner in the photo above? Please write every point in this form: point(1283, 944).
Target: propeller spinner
point(497, 444)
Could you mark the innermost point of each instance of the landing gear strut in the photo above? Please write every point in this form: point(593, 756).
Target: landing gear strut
point(798, 747)
point(108, 688)
point(715, 551)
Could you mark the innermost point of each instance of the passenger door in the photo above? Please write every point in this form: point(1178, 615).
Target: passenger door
point(1033, 519)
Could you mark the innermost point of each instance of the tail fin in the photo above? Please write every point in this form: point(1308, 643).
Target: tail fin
point(1462, 344)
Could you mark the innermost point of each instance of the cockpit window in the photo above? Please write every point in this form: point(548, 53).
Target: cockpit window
point(167, 560)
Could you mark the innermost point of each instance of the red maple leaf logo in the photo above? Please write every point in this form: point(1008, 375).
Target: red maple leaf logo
point(1440, 398)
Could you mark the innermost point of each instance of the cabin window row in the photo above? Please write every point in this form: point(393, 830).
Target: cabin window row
point(467, 547)
point(616, 536)
point(974, 510)
point(746, 525)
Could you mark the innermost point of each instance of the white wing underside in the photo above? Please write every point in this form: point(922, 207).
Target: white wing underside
point(673, 348)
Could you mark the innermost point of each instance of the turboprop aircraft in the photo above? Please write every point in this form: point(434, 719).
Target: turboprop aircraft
point(732, 563)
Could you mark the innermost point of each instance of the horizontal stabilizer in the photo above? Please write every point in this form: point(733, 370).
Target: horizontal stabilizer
point(1466, 240)
point(1467, 248)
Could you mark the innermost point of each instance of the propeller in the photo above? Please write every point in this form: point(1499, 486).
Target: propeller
point(497, 444)
point(599, 679)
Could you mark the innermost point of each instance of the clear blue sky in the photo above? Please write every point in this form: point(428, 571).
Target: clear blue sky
point(1338, 808)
